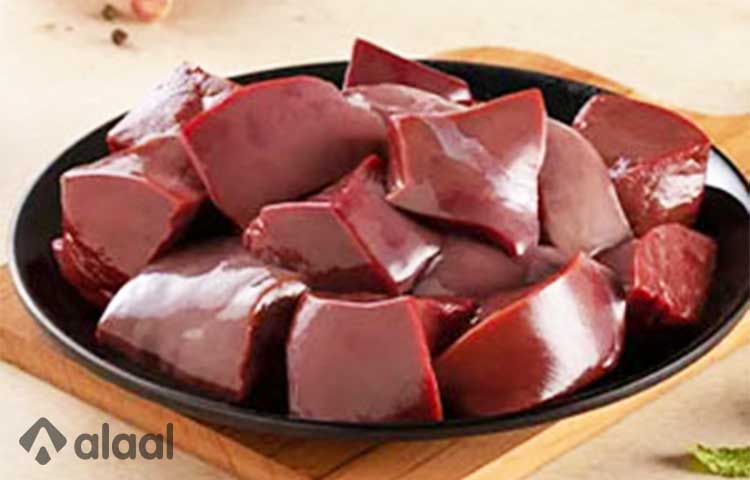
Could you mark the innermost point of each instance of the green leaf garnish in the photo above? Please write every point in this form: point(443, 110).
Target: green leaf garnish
point(725, 461)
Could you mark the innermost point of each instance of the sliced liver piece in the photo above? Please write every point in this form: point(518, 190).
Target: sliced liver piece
point(347, 239)
point(543, 261)
point(667, 275)
point(470, 268)
point(444, 319)
point(552, 340)
point(81, 268)
point(476, 168)
point(360, 362)
point(388, 99)
point(579, 205)
point(188, 91)
point(210, 316)
point(121, 212)
point(656, 158)
point(372, 65)
point(276, 141)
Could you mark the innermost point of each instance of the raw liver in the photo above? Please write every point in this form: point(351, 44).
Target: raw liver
point(579, 205)
point(94, 281)
point(667, 275)
point(371, 65)
point(388, 99)
point(656, 158)
point(555, 338)
point(210, 316)
point(360, 362)
point(542, 261)
point(444, 319)
point(276, 141)
point(470, 268)
point(476, 168)
point(122, 211)
point(347, 239)
point(188, 91)
point(539, 264)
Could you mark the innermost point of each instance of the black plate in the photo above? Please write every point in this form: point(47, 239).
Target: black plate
point(70, 321)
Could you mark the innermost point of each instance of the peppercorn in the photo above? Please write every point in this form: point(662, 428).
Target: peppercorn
point(119, 36)
point(110, 12)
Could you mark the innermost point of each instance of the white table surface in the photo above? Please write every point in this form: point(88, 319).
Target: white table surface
point(60, 76)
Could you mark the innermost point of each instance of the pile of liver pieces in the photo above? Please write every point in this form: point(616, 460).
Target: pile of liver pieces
point(402, 249)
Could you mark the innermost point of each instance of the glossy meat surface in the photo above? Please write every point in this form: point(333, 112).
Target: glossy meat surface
point(388, 99)
point(277, 140)
point(124, 210)
point(347, 239)
point(555, 338)
point(667, 275)
point(370, 65)
point(476, 168)
point(383, 247)
point(188, 91)
point(210, 316)
point(579, 205)
point(360, 362)
point(95, 282)
point(470, 268)
point(656, 158)
point(444, 319)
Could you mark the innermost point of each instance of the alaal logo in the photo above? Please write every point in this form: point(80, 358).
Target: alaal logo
point(27, 439)
point(93, 446)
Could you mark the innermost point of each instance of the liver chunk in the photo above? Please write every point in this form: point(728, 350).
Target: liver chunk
point(470, 268)
point(579, 205)
point(667, 275)
point(360, 362)
point(346, 239)
point(81, 268)
point(388, 99)
point(444, 319)
point(557, 337)
point(278, 140)
point(210, 316)
point(122, 211)
point(476, 168)
point(656, 158)
point(371, 65)
point(188, 91)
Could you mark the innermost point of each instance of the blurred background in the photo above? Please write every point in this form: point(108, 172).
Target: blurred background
point(61, 74)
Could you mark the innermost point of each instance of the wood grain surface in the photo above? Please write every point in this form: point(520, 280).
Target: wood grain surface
point(507, 455)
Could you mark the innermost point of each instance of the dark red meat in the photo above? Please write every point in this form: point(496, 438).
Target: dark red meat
point(95, 282)
point(543, 261)
point(580, 209)
point(122, 211)
point(444, 319)
point(469, 268)
point(403, 248)
point(346, 239)
point(211, 316)
point(277, 140)
point(667, 275)
point(188, 91)
point(387, 99)
point(656, 158)
point(555, 338)
point(371, 65)
point(477, 168)
point(360, 362)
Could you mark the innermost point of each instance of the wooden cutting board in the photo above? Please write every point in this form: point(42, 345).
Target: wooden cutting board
point(507, 455)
